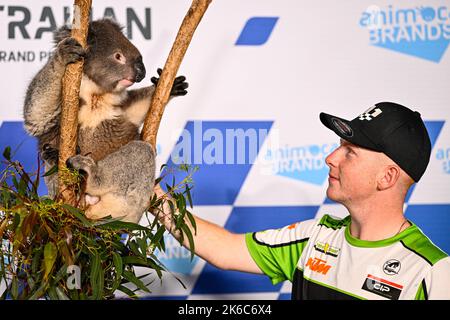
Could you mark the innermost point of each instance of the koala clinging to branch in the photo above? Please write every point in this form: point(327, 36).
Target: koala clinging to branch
point(109, 116)
point(123, 188)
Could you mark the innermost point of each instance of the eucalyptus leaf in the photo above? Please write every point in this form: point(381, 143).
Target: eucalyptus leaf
point(181, 204)
point(31, 283)
point(134, 280)
point(15, 182)
point(192, 220)
point(7, 153)
point(94, 274)
point(118, 267)
point(50, 253)
point(127, 291)
point(121, 225)
point(36, 262)
point(62, 272)
point(142, 242)
point(137, 261)
point(52, 170)
point(16, 221)
point(78, 214)
point(158, 268)
point(134, 247)
point(188, 233)
point(172, 207)
point(188, 194)
point(52, 293)
point(101, 284)
point(39, 292)
point(14, 287)
point(61, 294)
point(159, 234)
point(158, 180)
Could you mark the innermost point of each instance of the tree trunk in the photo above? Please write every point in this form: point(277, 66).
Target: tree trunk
point(165, 83)
point(70, 96)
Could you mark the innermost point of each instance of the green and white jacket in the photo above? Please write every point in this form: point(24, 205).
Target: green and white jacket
point(323, 261)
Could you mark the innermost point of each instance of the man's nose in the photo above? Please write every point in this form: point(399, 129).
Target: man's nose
point(331, 159)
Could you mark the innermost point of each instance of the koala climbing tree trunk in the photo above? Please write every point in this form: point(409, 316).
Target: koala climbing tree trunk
point(162, 93)
point(72, 81)
point(70, 96)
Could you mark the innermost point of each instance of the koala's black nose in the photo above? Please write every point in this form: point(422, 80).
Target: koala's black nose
point(139, 69)
point(69, 164)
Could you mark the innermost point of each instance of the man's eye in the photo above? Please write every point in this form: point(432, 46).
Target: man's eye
point(350, 151)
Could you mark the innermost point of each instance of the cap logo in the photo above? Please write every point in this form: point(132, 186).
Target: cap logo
point(342, 127)
point(370, 114)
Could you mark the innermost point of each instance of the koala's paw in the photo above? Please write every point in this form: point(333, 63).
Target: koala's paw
point(49, 153)
point(81, 163)
point(179, 85)
point(69, 50)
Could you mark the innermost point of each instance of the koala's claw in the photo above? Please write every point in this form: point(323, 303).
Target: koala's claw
point(179, 84)
point(49, 153)
point(70, 50)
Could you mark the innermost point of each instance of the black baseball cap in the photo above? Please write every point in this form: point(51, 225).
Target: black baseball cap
point(391, 128)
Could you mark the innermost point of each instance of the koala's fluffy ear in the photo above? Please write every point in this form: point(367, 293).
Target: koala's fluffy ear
point(110, 22)
point(61, 33)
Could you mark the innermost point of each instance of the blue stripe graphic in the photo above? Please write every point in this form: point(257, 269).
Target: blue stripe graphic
point(256, 31)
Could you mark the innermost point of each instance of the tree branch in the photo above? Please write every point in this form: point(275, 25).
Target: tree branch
point(165, 83)
point(70, 96)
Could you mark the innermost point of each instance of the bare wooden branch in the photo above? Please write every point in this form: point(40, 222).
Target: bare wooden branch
point(70, 95)
point(162, 92)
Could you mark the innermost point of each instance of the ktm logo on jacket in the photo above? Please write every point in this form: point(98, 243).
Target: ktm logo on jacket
point(318, 265)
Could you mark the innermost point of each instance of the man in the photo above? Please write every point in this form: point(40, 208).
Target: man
point(375, 252)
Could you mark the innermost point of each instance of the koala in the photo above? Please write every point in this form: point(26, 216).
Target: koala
point(109, 115)
point(116, 186)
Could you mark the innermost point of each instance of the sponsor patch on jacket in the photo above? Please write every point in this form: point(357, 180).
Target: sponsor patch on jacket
point(392, 267)
point(381, 287)
point(326, 248)
point(318, 265)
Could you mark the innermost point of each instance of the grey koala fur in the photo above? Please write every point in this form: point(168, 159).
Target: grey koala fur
point(118, 183)
point(109, 116)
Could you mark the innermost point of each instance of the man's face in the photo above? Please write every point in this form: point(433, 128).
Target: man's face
point(353, 173)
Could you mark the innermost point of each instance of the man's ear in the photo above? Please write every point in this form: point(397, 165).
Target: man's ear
point(388, 177)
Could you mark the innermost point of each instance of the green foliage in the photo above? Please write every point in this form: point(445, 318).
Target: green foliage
point(51, 250)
